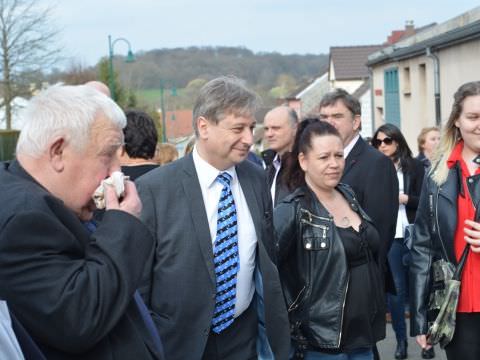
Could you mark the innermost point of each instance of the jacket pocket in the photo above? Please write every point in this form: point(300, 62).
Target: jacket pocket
point(315, 236)
point(314, 231)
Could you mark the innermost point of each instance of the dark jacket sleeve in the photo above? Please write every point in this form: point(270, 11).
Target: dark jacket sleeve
point(67, 289)
point(149, 218)
point(420, 265)
point(285, 226)
point(381, 200)
point(417, 175)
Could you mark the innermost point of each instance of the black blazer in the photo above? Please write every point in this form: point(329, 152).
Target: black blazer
point(412, 186)
point(180, 276)
point(373, 178)
point(71, 290)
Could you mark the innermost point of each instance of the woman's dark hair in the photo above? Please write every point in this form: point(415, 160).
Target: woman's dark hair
point(403, 152)
point(293, 175)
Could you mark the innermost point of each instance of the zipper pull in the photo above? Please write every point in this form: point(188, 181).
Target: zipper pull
point(432, 220)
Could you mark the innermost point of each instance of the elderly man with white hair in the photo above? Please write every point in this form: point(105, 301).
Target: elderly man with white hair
point(72, 289)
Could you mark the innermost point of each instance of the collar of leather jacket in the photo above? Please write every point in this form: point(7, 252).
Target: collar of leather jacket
point(304, 195)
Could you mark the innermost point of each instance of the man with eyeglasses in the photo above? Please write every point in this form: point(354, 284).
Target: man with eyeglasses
point(370, 173)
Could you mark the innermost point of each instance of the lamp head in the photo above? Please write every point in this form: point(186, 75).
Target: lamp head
point(130, 57)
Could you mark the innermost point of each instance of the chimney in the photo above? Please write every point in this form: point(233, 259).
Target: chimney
point(409, 28)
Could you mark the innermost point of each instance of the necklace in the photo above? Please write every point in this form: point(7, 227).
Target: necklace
point(345, 221)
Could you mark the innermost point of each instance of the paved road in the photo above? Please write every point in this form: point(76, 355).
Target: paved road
point(387, 348)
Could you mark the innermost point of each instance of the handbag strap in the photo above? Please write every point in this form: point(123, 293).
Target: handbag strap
point(458, 271)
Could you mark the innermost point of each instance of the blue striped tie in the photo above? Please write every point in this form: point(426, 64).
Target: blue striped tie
point(225, 257)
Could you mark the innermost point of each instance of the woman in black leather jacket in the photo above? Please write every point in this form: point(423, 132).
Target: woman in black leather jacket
point(444, 225)
point(327, 251)
point(389, 140)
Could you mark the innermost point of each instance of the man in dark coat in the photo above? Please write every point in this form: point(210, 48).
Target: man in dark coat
point(280, 126)
point(72, 290)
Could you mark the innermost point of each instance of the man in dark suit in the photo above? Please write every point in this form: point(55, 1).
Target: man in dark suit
point(214, 288)
point(371, 174)
point(280, 125)
point(72, 290)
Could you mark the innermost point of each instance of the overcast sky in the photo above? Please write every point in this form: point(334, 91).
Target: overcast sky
point(285, 26)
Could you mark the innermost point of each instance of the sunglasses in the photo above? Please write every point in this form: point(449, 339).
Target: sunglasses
point(377, 142)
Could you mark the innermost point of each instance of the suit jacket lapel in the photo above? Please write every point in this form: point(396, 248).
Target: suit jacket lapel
point(353, 155)
point(198, 214)
point(251, 197)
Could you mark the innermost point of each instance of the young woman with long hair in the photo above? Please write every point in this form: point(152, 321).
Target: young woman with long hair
point(448, 220)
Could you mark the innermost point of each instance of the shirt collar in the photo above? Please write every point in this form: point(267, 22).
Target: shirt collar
point(277, 161)
point(456, 155)
point(206, 173)
point(349, 147)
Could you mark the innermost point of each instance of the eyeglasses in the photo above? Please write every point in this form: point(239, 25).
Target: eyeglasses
point(377, 142)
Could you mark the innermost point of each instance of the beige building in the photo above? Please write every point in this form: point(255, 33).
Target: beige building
point(347, 70)
point(414, 80)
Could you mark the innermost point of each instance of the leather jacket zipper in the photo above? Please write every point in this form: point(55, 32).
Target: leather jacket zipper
point(437, 224)
point(343, 312)
point(295, 303)
point(310, 222)
point(323, 227)
point(432, 219)
point(313, 216)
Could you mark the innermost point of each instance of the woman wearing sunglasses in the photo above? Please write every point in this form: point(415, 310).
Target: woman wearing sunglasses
point(410, 172)
point(327, 253)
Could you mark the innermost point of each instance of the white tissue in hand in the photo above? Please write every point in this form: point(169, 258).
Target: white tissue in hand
point(117, 180)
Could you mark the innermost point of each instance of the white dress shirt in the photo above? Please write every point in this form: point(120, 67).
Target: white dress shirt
point(9, 348)
point(277, 164)
point(402, 220)
point(349, 147)
point(247, 237)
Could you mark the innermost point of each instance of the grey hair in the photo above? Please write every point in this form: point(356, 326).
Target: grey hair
point(223, 96)
point(66, 111)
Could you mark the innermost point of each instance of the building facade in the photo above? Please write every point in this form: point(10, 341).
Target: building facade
point(415, 79)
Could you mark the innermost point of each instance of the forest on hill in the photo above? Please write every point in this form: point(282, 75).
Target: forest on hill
point(182, 71)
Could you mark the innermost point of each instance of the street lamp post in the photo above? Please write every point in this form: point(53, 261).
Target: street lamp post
point(164, 112)
point(173, 93)
point(130, 58)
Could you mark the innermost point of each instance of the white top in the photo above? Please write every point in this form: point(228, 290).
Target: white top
point(277, 164)
point(402, 220)
point(349, 147)
point(9, 348)
point(247, 237)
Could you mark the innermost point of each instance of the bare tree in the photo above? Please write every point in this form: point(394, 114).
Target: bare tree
point(27, 41)
point(78, 73)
